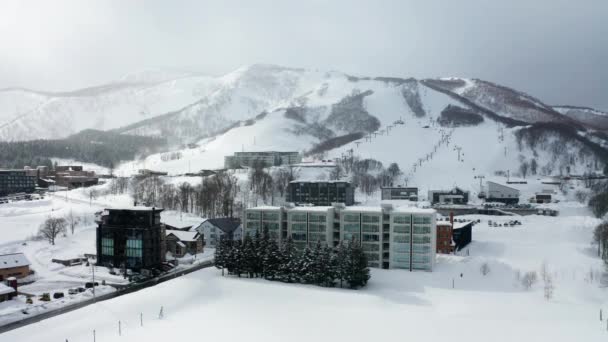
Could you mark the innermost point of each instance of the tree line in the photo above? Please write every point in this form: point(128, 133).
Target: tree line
point(90, 146)
point(262, 257)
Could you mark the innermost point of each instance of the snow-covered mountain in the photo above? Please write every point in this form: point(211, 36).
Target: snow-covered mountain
point(331, 114)
point(590, 117)
point(28, 114)
point(322, 113)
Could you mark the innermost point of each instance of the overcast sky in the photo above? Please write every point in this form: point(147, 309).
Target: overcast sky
point(556, 50)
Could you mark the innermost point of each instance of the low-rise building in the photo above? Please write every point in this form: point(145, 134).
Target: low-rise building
point(150, 173)
point(216, 229)
point(180, 243)
point(399, 193)
point(453, 235)
point(65, 176)
point(14, 265)
point(16, 181)
point(320, 193)
point(131, 238)
point(495, 192)
point(445, 244)
point(454, 196)
point(263, 158)
point(462, 234)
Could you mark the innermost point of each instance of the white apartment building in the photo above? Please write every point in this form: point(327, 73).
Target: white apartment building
point(309, 225)
point(400, 237)
point(273, 218)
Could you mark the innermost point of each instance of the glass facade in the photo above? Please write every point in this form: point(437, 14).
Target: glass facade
point(107, 246)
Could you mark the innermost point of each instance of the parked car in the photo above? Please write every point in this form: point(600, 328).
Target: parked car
point(81, 289)
point(89, 285)
point(58, 295)
point(72, 291)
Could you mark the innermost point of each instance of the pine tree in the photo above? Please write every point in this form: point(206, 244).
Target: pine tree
point(235, 259)
point(262, 251)
point(289, 259)
point(333, 266)
point(248, 256)
point(272, 261)
point(257, 254)
point(220, 256)
point(317, 266)
point(306, 267)
point(358, 271)
point(342, 261)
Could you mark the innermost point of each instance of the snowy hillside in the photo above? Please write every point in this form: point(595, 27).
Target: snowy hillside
point(590, 117)
point(341, 106)
point(27, 114)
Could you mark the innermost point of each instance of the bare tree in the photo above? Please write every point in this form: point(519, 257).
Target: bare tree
point(484, 269)
point(529, 279)
point(72, 221)
point(523, 168)
point(51, 228)
point(544, 271)
point(549, 287)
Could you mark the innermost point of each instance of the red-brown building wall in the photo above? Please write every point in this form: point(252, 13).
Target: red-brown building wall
point(444, 238)
point(17, 272)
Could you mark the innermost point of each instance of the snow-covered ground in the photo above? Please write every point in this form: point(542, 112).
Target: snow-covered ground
point(395, 305)
point(20, 221)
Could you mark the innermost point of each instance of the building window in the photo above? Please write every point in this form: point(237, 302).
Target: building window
point(351, 218)
point(402, 219)
point(107, 246)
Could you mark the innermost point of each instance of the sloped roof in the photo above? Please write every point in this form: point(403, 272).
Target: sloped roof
point(226, 224)
point(5, 289)
point(183, 235)
point(13, 260)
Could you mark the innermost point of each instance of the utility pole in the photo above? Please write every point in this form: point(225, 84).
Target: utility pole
point(458, 148)
point(480, 177)
point(93, 268)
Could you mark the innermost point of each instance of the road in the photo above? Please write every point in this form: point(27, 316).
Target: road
point(134, 288)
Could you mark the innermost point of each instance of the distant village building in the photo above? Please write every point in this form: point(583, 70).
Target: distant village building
point(180, 242)
point(399, 193)
point(265, 158)
point(16, 181)
point(149, 173)
point(391, 236)
point(131, 238)
point(216, 229)
point(501, 193)
point(14, 265)
point(67, 176)
point(320, 193)
point(454, 196)
point(542, 197)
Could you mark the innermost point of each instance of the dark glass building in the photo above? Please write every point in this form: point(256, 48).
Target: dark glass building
point(321, 193)
point(14, 181)
point(131, 238)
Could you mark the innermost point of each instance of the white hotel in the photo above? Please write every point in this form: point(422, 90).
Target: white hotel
point(392, 236)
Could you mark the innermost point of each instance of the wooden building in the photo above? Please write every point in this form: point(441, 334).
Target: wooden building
point(14, 265)
point(180, 242)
